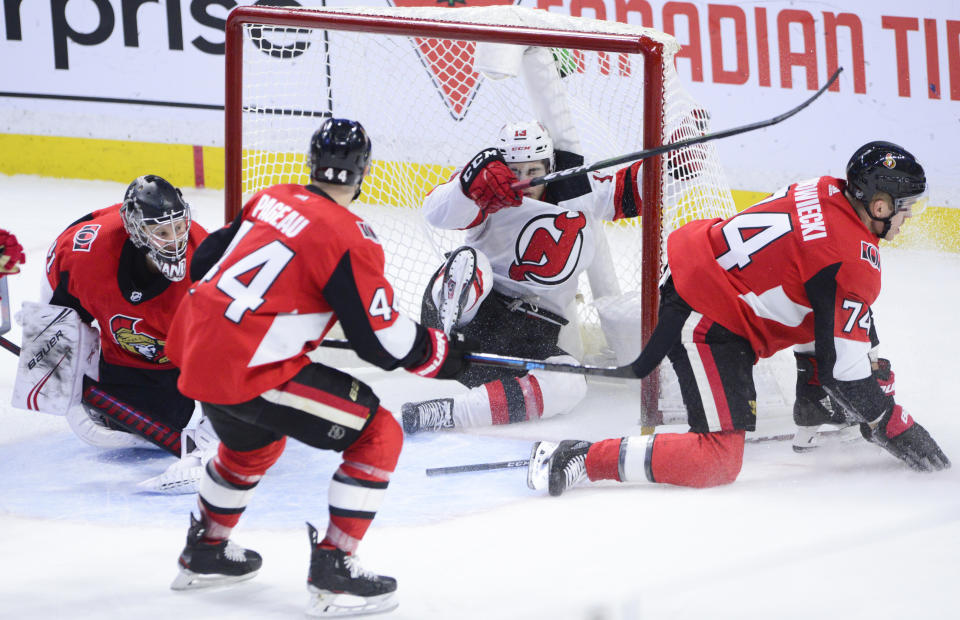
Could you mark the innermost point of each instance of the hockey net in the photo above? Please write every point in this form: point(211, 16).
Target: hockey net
point(411, 77)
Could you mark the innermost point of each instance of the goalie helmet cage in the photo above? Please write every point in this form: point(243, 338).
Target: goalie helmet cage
point(409, 76)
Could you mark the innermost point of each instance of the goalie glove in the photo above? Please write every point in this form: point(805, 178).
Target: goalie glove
point(897, 432)
point(486, 180)
point(11, 254)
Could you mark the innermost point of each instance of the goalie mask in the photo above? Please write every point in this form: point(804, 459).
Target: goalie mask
point(339, 153)
point(526, 141)
point(157, 219)
point(885, 167)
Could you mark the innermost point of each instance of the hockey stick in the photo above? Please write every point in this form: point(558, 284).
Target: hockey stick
point(520, 363)
point(674, 146)
point(458, 469)
point(4, 306)
point(9, 346)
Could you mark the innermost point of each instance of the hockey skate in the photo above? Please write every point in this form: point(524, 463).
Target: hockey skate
point(558, 466)
point(807, 438)
point(818, 422)
point(429, 415)
point(340, 586)
point(459, 275)
point(204, 564)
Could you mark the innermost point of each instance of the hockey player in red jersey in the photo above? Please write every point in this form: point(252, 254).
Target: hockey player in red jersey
point(799, 268)
point(123, 266)
point(512, 287)
point(293, 263)
point(11, 254)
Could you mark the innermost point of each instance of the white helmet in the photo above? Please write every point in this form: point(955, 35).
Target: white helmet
point(525, 141)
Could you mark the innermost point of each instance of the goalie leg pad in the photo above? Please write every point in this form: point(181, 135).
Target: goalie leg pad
point(58, 350)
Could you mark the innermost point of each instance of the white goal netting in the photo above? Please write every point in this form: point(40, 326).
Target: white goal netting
point(429, 107)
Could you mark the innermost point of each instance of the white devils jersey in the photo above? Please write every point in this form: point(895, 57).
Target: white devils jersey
point(537, 250)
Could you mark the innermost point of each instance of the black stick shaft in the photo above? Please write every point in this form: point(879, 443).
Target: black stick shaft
point(521, 363)
point(9, 346)
point(673, 146)
point(459, 469)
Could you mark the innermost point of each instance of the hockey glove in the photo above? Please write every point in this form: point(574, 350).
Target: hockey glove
point(813, 406)
point(486, 180)
point(444, 359)
point(11, 254)
point(898, 434)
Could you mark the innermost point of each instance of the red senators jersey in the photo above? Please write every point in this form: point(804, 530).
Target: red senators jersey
point(93, 268)
point(795, 268)
point(297, 263)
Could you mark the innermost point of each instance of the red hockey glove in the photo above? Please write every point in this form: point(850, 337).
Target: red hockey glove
point(885, 377)
point(486, 180)
point(445, 357)
point(11, 254)
point(898, 433)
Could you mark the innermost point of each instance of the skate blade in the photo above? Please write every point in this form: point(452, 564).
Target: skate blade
point(538, 471)
point(188, 580)
point(831, 435)
point(326, 604)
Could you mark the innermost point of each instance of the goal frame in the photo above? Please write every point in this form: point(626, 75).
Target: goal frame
point(651, 50)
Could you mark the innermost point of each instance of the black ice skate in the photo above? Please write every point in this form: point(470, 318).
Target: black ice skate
point(430, 415)
point(203, 564)
point(340, 586)
point(558, 466)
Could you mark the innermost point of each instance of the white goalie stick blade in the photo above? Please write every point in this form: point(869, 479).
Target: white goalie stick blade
point(179, 479)
point(327, 604)
point(538, 470)
point(186, 579)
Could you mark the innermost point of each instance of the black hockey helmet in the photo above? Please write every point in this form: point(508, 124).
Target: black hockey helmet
point(339, 152)
point(157, 219)
point(885, 167)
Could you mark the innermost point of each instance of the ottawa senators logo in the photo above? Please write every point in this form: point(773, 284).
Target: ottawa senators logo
point(84, 238)
point(125, 334)
point(548, 248)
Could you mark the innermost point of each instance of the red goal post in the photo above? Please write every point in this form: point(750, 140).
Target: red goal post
point(287, 68)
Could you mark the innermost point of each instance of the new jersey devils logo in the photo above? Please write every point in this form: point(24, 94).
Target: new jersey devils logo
point(548, 248)
point(135, 342)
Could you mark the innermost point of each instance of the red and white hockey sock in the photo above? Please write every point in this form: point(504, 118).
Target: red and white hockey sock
point(359, 485)
point(514, 400)
point(684, 459)
point(228, 482)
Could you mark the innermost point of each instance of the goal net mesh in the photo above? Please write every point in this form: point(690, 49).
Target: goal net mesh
point(428, 109)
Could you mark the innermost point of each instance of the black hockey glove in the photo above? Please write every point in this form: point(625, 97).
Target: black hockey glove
point(486, 180)
point(813, 406)
point(898, 434)
point(444, 359)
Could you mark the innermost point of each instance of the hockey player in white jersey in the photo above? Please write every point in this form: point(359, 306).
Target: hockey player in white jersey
point(512, 286)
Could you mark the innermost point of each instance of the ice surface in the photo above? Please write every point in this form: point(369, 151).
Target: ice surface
point(846, 532)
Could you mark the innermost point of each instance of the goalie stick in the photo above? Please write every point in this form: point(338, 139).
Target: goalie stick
point(674, 146)
point(521, 363)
